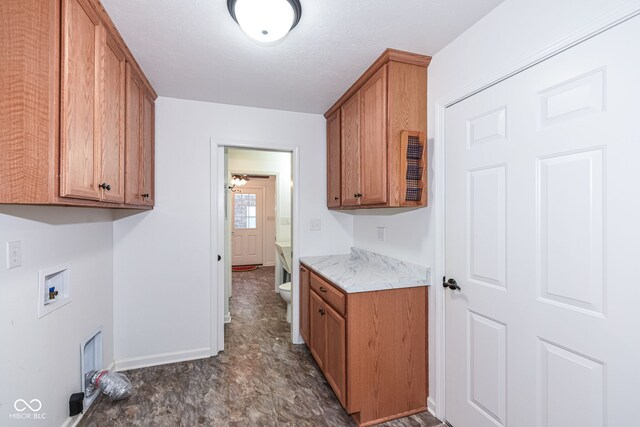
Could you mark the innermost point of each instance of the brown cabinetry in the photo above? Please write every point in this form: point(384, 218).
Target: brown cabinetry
point(389, 98)
point(139, 186)
point(371, 347)
point(304, 303)
point(333, 160)
point(65, 78)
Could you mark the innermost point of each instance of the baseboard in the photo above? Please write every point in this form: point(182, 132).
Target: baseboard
point(73, 421)
point(269, 264)
point(162, 359)
point(431, 406)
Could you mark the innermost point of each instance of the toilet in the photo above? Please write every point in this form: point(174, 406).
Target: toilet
point(285, 293)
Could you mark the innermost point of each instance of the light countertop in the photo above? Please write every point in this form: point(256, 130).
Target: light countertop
point(364, 271)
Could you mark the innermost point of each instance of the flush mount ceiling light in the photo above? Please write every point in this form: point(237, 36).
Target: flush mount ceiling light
point(266, 21)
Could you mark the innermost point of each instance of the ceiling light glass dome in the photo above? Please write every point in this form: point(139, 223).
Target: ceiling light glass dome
point(266, 21)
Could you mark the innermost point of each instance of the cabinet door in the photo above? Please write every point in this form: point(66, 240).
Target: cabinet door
point(317, 328)
point(112, 90)
point(335, 356)
point(373, 139)
point(304, 304)
point(148, 137)
point(133, 142)
point(333, 160)
point(79, 116)
point(350, 149)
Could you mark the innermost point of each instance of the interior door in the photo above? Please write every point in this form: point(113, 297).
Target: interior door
point(247, 232)
point(541, 237)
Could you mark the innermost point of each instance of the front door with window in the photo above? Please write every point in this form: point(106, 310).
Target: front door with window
point(246, 237)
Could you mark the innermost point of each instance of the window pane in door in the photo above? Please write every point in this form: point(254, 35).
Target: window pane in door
point(244, 211)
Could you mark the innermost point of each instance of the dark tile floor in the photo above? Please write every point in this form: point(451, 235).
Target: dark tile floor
point(261, 379)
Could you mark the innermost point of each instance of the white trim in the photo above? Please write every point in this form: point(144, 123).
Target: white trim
point(602, 23)
point(431, 406)
point(227, 318)
point(161, 359)
point(217, 233)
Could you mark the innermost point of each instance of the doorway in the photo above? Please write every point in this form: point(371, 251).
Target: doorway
point(540, 323)
point(256, 208)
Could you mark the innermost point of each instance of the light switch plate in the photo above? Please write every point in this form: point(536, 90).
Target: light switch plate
point(14, 254)
point(315, 224)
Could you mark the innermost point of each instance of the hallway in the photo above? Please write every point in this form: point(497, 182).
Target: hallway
point(261, 379)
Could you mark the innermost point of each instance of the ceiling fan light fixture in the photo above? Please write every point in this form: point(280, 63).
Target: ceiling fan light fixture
point(265, 21)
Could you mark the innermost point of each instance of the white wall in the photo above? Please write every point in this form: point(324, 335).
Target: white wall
point(40, 358)
point(510, 33)
point(162, 258)
point(268, 162)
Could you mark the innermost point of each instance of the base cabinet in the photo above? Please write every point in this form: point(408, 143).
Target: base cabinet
point(371, 347)
point(304, 303)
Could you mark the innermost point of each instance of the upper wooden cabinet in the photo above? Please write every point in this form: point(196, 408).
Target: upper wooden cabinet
point(333, 160)
point(65, 78)
point(139, 185)
point(388, 99)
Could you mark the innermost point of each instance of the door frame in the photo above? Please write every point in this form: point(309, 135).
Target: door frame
point(217, 242)
point(436, 404)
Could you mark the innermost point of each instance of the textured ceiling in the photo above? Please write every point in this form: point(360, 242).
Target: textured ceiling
point(193, 49)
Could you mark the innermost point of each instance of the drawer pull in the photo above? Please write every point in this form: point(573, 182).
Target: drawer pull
point(323, 289)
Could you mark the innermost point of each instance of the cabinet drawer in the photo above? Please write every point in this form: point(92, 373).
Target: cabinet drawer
point(328, 292)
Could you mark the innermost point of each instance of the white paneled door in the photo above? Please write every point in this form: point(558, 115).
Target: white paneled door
point(543, 237)
point(247, 234)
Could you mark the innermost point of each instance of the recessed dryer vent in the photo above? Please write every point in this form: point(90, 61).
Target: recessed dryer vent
point(91, 357)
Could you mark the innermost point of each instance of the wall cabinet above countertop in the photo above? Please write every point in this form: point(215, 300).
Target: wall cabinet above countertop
point(75, 131)
point(376, 149)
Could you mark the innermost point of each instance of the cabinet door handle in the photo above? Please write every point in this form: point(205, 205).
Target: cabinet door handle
point(105, 186)
point(321, 311)
point(357, 195)
point(145, 195)
point(323, 289)
point(336, 198)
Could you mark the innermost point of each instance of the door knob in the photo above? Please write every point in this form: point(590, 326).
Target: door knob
point(451, 284)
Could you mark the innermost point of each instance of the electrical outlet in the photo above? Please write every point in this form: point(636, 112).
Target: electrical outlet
point(315, 224)
point(381, 234)
point(14, 254)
